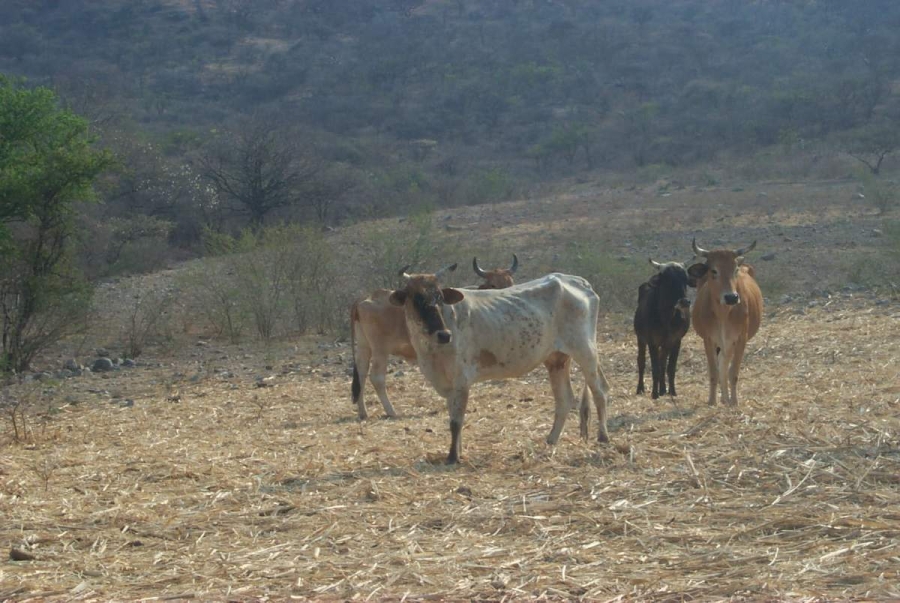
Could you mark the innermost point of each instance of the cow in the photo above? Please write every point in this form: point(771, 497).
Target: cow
point(462, 337)
point(381, 331)
point(661, 320)
point(726, 314)
point(496, 279)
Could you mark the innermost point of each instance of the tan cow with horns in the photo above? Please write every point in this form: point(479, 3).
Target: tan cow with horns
point(380, 329)
point(726, 314)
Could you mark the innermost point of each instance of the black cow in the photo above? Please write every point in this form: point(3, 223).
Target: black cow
point(660, 321)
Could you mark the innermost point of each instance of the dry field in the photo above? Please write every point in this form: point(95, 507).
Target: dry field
point(241, 473)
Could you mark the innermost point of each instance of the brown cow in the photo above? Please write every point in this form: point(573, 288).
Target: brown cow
point(726, 314)
point(496, 279)
point(381, 331)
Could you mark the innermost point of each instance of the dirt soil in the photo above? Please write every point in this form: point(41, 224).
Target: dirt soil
point(220, 472)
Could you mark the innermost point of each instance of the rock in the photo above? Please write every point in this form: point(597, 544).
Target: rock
point(102, 352)
point(129, 363)
point(768, 257)
point(877, 232)
point(102, 365)
point(71, 365)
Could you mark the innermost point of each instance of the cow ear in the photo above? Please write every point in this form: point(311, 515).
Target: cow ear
point(739, 259)
point(654, 280)
point(398, 298)
point(452, 296)
point(696, 272)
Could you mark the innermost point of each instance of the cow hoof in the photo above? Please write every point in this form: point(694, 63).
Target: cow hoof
point(603, 438)
point(654, 396)
point(452, 460)
point(640, 390)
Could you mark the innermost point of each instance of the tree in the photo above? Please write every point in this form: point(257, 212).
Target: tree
point(47, 164)
point(259, 168)
point(872, 143)
point(328, 189)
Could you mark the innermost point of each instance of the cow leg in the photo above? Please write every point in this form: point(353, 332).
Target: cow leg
point(642, 362)
point(673, 363)
point(712, 364)
point(456, 406)
point(360, 372)
point(655, 369)
point(722, 359)
point(378, 377)
point(663, 358)
point(599, 386)
point(558, 367)
point(735, 368)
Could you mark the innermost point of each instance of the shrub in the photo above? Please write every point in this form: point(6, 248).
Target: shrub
point(881, 193)
point(615, 279)
point(280, 280)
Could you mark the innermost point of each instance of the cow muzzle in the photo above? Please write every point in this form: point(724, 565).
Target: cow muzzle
point(444, 337)
point(731, 299)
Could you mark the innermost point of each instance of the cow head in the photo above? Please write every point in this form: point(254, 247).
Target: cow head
point(720, 271)
point(422, 297)
point(496, 279)
point(671, 282)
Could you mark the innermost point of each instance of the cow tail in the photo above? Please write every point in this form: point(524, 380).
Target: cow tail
point(584, 413)
point(356, 388)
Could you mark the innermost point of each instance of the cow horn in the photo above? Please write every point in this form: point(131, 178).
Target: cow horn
point(699, 250)
point(745, 249)
point(402, 273)
point(656, 265)
point(515, 264)
point(477, 269)
point(441, 272)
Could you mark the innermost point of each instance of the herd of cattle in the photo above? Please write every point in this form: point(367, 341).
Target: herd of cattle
point(500, 330)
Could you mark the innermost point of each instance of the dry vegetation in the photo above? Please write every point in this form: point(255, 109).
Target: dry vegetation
point(227, 472)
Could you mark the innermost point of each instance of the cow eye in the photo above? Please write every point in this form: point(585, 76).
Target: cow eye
point(714, 272)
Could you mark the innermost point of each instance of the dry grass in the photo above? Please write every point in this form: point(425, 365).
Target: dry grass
point(215, 488)
point(241, 473)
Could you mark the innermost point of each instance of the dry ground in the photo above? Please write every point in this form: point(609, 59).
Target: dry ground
point(242, 473)
point(211, 486)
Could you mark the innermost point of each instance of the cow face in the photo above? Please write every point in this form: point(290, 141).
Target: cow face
point(720, 272)
point(671, 281)
point(422, 298)
point(501, 278)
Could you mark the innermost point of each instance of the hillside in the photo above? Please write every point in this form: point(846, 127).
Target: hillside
point(464, 102)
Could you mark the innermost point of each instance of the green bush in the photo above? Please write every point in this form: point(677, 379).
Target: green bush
point(279, 280)
point(614, 278)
